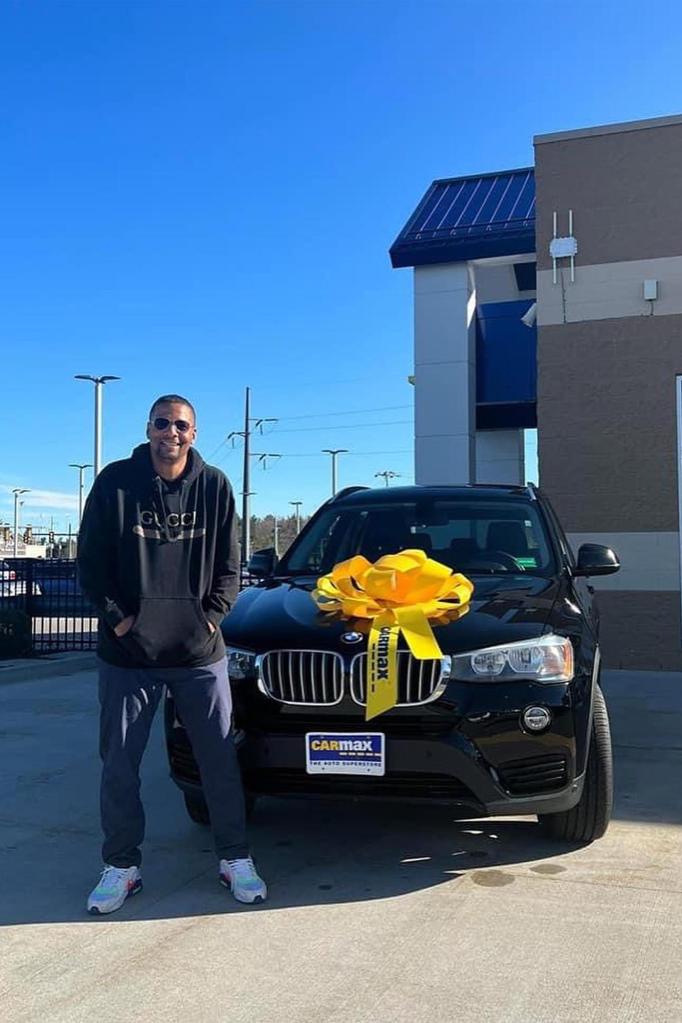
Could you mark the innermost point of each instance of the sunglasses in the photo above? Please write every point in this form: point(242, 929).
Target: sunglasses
point(161, 423)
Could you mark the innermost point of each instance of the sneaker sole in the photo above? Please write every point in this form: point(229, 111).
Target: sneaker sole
point(94, 911)
point(245, 902)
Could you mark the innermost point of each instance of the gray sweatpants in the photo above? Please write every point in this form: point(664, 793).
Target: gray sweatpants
point(128, 700)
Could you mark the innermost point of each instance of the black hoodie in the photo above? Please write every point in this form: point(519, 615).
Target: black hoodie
point(164, 552)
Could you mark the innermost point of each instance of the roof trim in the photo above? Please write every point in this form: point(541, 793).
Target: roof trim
point(500, 222)
point(609, 129)
point(485, 174)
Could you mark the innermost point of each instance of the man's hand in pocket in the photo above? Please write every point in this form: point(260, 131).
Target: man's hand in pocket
point(124, 626)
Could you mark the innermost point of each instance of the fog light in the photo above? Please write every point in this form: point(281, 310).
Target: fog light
point(536, 719)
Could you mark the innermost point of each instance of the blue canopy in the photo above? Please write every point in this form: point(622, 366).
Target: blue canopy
point(470, 218)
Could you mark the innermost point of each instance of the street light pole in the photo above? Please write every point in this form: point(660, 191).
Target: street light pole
point(81, 470)
point(17, 491)
point(97, 381)
point(334, 452)
point(297, 506)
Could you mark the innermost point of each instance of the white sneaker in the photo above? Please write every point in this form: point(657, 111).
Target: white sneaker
point(114, 887)
point(241, 877)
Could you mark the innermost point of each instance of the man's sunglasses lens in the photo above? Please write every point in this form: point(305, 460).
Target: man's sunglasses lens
point(161, 423)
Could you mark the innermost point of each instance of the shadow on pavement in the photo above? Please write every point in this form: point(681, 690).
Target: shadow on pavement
point(311, 852)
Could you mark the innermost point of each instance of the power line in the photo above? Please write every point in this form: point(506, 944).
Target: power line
point(351, 454)
point(350, 426)
point(345, 412)
point(320, 415)
point(318, 454)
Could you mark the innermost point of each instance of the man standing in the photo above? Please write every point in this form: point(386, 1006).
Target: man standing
point(158, 558)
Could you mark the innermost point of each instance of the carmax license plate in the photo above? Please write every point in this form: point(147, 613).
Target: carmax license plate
point(345, 753)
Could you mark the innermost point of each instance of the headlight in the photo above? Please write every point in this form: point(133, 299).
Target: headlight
point(240, 663)
point(546, 659)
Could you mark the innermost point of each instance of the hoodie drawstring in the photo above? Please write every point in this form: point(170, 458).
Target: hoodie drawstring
point(161, 507)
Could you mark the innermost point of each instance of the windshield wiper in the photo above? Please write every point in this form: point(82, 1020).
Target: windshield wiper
point(297, 574)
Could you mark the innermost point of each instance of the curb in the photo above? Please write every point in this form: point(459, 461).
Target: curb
point(47, 667)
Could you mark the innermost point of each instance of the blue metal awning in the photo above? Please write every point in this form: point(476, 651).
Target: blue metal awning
point(506, 367)
point(470, 218)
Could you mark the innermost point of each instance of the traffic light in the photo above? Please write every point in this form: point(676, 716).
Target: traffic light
point(27, 536)
point(50, 536)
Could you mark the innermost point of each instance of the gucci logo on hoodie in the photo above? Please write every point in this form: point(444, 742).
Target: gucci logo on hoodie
point(183, 525)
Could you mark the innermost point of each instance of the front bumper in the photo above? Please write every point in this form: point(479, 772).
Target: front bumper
point(445, 770)
point(468, 749)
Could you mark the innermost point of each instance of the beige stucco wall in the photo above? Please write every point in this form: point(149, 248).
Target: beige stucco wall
point(607, 431)
point(607, 367)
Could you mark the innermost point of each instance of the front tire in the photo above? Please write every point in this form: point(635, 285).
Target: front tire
point(589, 818)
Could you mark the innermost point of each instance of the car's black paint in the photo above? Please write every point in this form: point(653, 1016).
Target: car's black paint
point(468, 745)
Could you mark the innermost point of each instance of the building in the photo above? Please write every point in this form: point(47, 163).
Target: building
point(591, 235)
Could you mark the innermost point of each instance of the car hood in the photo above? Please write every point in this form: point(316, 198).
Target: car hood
point(281, 615)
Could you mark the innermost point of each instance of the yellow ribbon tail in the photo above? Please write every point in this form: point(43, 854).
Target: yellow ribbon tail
point(382, 666)
point(398, 593)
point(418, 633)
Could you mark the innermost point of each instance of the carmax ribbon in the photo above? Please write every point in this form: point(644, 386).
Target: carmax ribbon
point(399, 593)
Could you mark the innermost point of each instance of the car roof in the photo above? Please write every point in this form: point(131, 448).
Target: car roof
point(382, 495)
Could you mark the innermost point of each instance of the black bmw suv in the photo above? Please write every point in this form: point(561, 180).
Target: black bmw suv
point(510, 720)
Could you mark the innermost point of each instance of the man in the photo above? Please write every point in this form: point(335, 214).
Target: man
point(158, 558)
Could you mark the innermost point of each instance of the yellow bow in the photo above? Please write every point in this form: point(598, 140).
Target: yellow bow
point(399, 593)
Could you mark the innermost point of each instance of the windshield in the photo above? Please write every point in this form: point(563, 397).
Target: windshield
point(473, 535)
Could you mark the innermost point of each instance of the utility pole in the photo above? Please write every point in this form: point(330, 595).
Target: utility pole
point(250, 425)
point(98, 382)
point(276, 534)
point(81, 470)
point(17, 491)
point(297, 506)
point(246, 490)
point(334, 452)
point(388, 474)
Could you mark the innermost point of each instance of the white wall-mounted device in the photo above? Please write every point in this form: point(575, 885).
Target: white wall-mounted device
point(564, 247)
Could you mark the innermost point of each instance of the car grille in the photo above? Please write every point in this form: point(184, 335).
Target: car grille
point(396, 784)
point(418, 681)
point(299, 723)
point(535, 775)
point(303, 676)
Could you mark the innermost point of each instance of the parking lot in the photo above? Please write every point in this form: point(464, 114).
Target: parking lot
point(388, 912)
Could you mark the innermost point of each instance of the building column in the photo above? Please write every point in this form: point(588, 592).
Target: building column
point(500, 456)
point(445, 374)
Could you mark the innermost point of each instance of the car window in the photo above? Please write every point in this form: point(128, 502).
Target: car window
point(562, 539)
point(472, 535)
point(337, 540)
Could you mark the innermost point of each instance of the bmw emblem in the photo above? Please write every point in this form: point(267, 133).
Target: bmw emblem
point(351, 637)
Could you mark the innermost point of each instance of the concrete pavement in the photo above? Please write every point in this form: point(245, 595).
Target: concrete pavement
point(387, 912)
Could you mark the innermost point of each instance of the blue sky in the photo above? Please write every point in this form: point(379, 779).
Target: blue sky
point(198, 196)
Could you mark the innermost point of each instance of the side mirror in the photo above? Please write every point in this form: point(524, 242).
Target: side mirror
point(261, 564)
point(595, 559)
